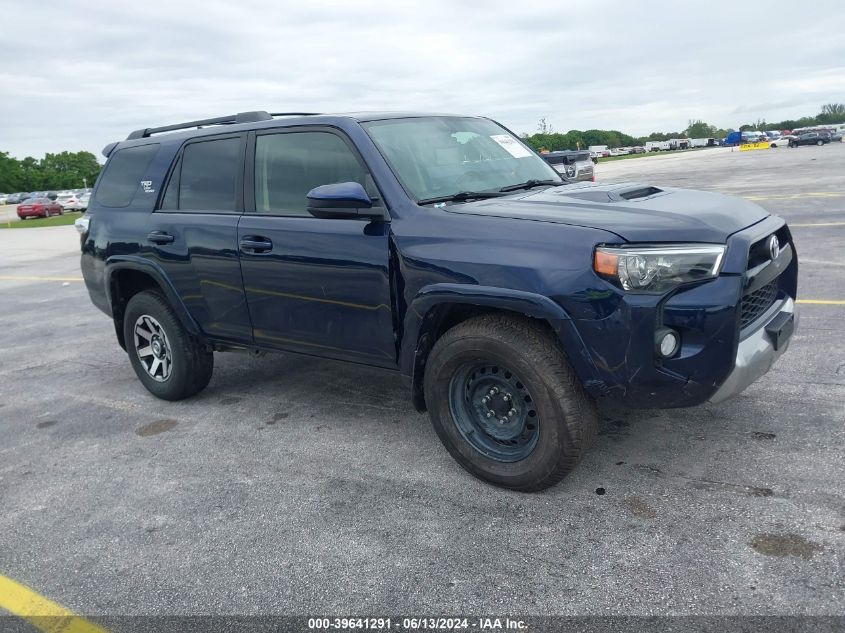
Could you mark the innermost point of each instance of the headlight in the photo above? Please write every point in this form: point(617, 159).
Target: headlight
point(657, 268)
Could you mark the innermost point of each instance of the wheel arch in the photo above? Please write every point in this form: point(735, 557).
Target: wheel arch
point(439, 307)
point(126, 276)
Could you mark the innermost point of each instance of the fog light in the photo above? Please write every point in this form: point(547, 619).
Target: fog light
point(667, 342)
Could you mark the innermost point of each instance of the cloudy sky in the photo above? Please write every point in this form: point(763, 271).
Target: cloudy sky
point(78, 74)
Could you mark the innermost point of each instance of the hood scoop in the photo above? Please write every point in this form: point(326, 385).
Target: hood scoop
point(615, 195)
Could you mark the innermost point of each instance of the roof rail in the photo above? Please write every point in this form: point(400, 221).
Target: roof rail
point(241, 117)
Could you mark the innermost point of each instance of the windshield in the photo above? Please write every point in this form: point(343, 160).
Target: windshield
point(441, 156)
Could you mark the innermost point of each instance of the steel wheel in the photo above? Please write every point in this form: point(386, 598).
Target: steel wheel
point(494, 411)
point(153, 348)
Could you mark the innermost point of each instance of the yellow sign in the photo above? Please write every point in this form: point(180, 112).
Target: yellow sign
point(747, 146)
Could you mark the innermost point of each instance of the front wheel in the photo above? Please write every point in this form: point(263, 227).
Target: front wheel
point(170, 362)
point(820, 143)
point(506, 403)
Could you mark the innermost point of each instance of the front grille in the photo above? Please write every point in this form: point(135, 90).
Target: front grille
point(756, 303)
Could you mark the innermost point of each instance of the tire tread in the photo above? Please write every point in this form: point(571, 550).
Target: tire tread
point(541, 349)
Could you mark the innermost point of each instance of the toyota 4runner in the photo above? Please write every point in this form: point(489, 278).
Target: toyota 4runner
point(442, 248)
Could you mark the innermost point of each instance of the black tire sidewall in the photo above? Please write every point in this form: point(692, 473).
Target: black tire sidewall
point(552, 441)
point(181, 382)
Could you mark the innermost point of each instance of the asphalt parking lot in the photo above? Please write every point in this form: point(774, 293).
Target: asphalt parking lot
point(294, 485)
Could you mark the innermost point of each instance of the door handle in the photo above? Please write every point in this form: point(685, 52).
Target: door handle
point(256, 244)
point(160, 237)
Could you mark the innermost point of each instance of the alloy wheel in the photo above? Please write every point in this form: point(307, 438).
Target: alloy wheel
point(153, 348)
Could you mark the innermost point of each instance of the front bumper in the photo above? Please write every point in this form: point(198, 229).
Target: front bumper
point(756, 354)
point(721, 352)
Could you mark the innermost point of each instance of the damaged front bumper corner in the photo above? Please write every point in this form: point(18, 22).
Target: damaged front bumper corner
point(758, 351)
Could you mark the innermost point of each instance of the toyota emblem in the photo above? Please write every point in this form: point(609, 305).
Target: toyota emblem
point(774, 246)
point(570, 171)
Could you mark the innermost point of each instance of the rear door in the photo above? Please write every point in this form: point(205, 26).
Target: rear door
point(193, 234)
point(313, 285)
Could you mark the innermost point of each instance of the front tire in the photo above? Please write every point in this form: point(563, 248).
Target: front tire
point(819, 143)
point(170, 362)
point(506, 403)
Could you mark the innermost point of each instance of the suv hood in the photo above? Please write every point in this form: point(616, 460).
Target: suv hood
point(634, 212)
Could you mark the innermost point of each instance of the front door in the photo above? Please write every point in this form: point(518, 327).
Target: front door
point(313, 285)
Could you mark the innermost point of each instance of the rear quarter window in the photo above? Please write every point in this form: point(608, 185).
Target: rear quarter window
point(122, 175)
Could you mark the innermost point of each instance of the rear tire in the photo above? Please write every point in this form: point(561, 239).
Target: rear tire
point(508, 360)
point(168, 360)
point(819, 143)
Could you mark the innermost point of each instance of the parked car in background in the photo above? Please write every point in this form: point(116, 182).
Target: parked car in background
point(39, 208)
point(83, 200)
point(69, 201)
point(782, 140)
point(572, 165)
point(13, 198)
point(810, 138)
point(638, 149)
point(3, 198)
point(599, 151)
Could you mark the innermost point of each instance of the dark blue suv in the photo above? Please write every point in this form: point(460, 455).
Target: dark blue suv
point(443, 248)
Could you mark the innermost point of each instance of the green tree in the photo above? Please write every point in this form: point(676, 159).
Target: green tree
point(699, 129)
point(11, 179)
point(69, 170)
point(65, 170)
point(833, 109)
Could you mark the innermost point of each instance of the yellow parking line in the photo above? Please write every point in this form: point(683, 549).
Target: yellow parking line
point(43, 614)
point(823, 302)
point(820, 224)
point(33, 278)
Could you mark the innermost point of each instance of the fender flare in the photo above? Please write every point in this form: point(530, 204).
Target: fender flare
point(117, 263)
point(418, 321)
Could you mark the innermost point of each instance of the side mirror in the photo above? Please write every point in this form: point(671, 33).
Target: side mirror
point(341, 200)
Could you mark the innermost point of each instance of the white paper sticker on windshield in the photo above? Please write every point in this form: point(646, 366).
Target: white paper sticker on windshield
point(511, 145)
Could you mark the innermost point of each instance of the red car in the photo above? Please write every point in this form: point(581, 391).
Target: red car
point(38, 208)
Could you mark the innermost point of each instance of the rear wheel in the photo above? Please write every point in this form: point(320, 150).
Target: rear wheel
point(506, 404)
point(820, 142)
point(170, 362)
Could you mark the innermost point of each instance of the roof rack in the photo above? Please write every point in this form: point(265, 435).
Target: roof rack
point(240, 117)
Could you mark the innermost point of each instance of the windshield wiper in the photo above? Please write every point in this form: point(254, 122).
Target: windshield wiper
point(463, 195)
point(528, 184)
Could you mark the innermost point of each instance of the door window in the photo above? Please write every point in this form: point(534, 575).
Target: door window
point(288, 166)
point(205, 178)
